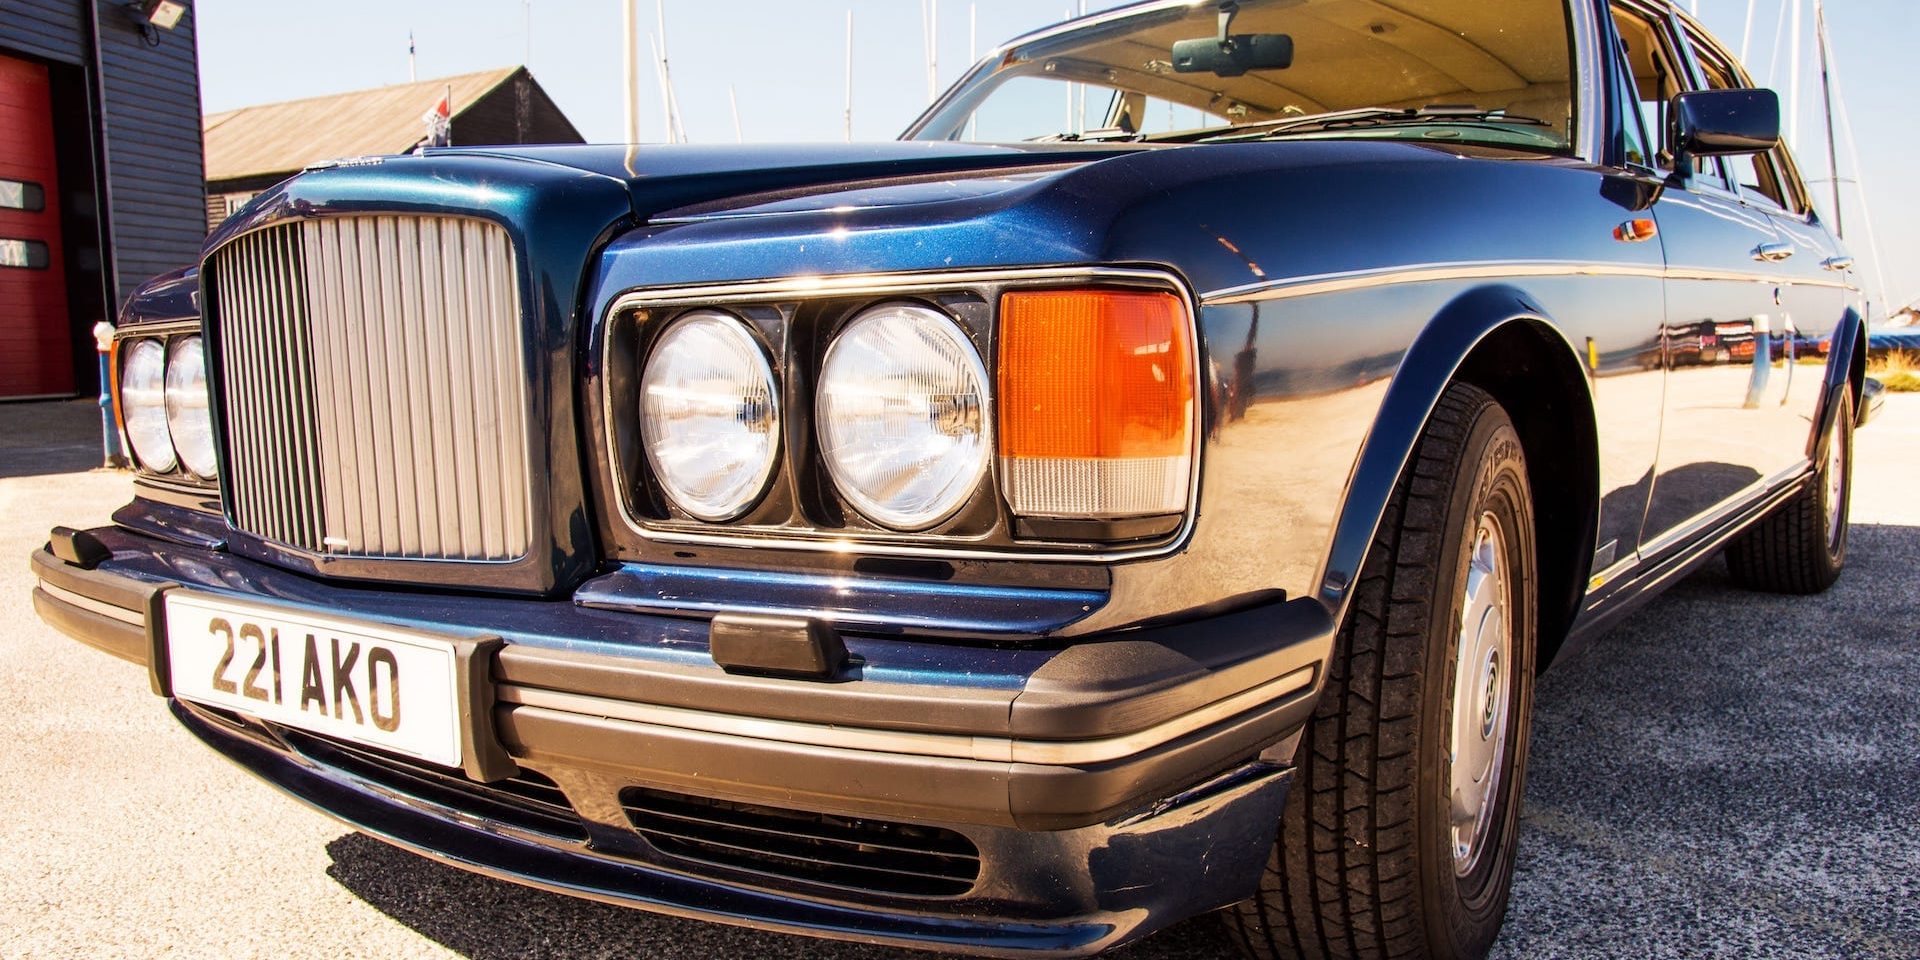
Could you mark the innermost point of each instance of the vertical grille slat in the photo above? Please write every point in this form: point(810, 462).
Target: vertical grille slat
point(374, 392)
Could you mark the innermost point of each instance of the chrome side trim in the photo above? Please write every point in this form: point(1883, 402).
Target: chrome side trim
point(952, 746)
point(1718, 513)
point(887, 285)
point(66, 596)
point(1291, 287)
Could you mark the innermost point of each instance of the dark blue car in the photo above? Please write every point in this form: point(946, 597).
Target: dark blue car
point(1148, 488)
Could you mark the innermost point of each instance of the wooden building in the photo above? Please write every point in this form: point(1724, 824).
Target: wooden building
point(253, 148)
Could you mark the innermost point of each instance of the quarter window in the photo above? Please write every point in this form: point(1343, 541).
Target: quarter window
point(23, 254)
point(21, 195)
point(1657, 77)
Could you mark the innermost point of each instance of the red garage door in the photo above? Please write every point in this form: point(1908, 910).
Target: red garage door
point(36, 352)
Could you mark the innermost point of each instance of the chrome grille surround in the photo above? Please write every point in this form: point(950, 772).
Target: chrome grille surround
point(372, 387)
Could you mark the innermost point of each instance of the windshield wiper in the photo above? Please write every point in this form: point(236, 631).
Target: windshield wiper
point(1367, 117)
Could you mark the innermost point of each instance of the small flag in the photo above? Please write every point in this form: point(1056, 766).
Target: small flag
point(439, 121)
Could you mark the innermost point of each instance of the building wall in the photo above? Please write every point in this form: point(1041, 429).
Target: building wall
point(147, 145)
point(517, 111)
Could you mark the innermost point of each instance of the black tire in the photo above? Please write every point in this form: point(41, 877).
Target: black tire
point(1364, 865)
point(1799, 547)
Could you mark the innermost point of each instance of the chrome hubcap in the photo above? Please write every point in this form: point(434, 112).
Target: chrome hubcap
point(1836, 483)
point(1482, 695)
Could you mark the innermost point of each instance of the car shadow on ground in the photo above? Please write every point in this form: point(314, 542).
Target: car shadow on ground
point(1725, 773)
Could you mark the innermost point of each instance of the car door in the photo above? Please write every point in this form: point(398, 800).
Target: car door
point(1811, 270)
point(1722, 419)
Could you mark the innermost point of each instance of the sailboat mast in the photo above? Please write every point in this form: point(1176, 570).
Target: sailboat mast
point(1826, 93)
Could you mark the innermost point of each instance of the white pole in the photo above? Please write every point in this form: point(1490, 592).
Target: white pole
point(629, 11)
point(1081, 126)
point(733, 101)
point(1793, 82)
point(1746, 36)
point(1779, 36)
point(1067, 14)
point(412, 75)
point(973, 56)
point(930, 44)
point(849, 116)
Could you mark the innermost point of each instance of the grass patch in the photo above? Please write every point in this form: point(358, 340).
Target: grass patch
point(1899, 370)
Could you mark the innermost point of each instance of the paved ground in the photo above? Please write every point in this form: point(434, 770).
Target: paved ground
point(1725, 775)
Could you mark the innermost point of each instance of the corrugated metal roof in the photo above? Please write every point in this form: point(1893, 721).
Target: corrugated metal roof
point(286, 137)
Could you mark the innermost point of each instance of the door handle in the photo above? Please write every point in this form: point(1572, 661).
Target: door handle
point(1773, 252)
point(1838, 264)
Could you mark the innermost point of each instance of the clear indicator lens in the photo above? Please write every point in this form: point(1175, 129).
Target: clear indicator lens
point(708, 415)
point(902, 415)
point(143, 404)
point(188, 419)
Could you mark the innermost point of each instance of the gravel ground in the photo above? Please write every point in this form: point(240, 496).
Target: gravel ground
point(1724, 775)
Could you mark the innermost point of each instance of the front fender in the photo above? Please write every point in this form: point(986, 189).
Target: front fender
point(1430, 364)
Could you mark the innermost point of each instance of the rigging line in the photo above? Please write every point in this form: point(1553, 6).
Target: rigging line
point(1860, 185)
point(1779, 34)
point(1746, 37)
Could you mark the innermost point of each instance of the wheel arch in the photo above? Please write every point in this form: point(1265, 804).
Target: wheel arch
point(1500, 340)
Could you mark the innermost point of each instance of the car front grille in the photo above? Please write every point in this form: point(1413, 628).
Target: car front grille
point(868, 856)
point(372, 386)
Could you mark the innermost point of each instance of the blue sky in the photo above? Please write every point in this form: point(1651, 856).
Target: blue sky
point(785, 62)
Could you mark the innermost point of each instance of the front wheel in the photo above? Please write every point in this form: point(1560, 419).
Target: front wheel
point(1397, 838)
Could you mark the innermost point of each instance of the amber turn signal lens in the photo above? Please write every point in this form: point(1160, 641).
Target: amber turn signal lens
point(1096, 402)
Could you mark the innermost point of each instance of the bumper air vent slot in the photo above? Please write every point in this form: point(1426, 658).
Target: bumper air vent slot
point(856, 854)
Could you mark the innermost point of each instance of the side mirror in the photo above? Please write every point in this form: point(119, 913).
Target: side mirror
point(1724, 123)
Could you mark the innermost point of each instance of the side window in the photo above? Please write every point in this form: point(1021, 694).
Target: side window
point(1633, 133)
point(1757, 174)
point(1657, 78)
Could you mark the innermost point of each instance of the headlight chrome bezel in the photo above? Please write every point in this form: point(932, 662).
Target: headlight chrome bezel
point(961, 485)
point(167, 337)
point(805, 510)
point(177, 413)
point(143, 405)
point(744, 497)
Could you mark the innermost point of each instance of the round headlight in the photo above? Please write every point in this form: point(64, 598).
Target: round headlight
point(902, 414)
point(143, 404)
point(187, 416)
point(709, 418)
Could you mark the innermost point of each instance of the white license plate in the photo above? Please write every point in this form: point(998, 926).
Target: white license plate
point(371, 684)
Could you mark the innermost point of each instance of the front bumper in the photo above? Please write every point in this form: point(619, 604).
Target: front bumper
point(1109, 788)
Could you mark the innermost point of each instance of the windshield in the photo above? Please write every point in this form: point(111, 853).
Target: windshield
point(1499, 73)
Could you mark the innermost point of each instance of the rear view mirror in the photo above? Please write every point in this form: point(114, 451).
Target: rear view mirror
point(1721, 123)
point(1234, 55)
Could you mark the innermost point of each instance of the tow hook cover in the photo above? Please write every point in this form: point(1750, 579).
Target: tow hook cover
point(776, 646)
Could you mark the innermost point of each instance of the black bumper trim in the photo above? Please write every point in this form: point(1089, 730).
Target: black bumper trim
point(1227, 822)
point(1063, 738)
